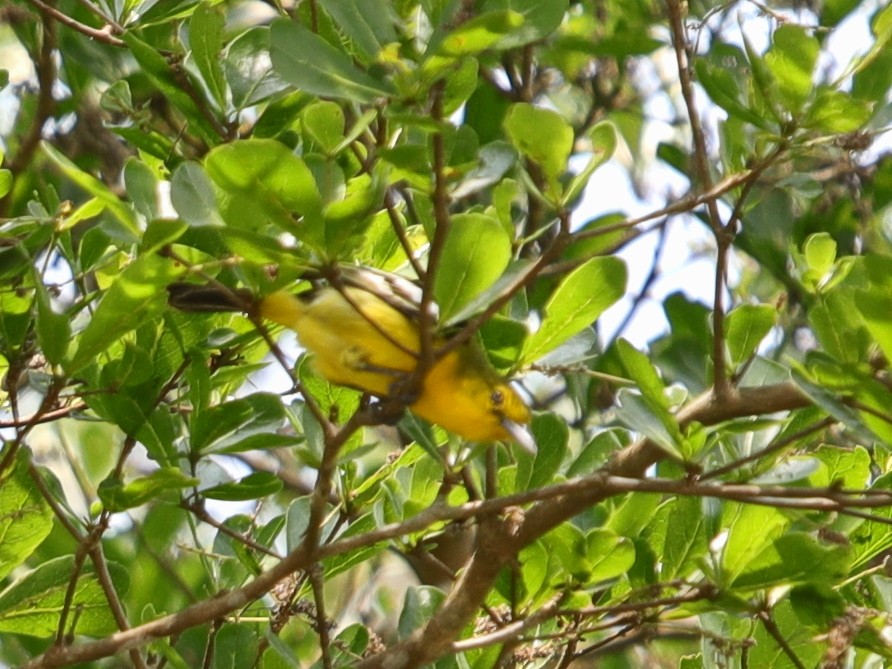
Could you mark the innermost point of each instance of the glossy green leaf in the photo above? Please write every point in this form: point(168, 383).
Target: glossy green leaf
point(539, 19)
point(820, 253)
point(25, 517)
point(262, 181)
point(138, 295)
point(726, 92)
point(751, 530)
point(369, 24)
point(206, 41)
point(33, 604)
point(324, 122)
point(116, 495)
point(419, 605)
point(603, 139)
point(792, 58)
point(635, 412)
point(240, 425)
point(121, 211)
point(479, 33)
point(837, 112)
point(476, 252)
point(157, 68)
point(542, 136)
point(251, 77)
point(686, 540)
point(576, 303)
point(306, 60)
point(745, 328)
point(53, 329)
point(609, 555)
point(252, 486)
point(193, 196)
point(798, 639)
point(795, 558)
point(551, 435)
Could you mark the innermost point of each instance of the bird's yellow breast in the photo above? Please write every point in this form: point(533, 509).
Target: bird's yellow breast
point(361, 341)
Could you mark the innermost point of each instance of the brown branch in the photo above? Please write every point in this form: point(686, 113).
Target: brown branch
point(724, 235)
point(499, 540)
point(440, 198)
point(322, 628)
point(196, 507)
point(772, 629)
point(45, 67)
point(100, 35)
point(45, 417)
point(771, 448)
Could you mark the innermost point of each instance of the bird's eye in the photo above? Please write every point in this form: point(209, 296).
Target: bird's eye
point(497, 397)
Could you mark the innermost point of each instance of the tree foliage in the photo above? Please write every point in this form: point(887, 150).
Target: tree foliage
point(183, 490)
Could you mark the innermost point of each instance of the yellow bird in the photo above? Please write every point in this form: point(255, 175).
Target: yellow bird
point(362, 327)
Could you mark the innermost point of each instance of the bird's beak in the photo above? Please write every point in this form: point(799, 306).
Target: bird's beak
point(521, 435)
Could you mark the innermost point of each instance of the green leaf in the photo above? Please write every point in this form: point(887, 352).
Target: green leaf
point(876, 308)
point(496, 158)
point(686, 540)
point(838, 327)
point(141, 186)
point(540, 19)
point(25, 517)
point(252, 486)
point(845, 468)
point(543, 136)
point(120, 210)
point(119, 496)
point(576, 303)
point(795, 558)
point(792, 58)
point(304, 59)
point(206, 41)
point(156, 67)
point(369, 24)
point(830, 402)
point(240, 425)
point(476, 252)
point(797, 640)
point(358, 527)
point(609, 555)
point(635, 412)
point(643, 373)
point(138, 295)
point(820, 253)
point(53, 329)
point(551, 435)
point(261, 182)
point(193, 196)
point(604, 140)
point(751, 529)
point(251, 76)
point(837, 112)
point(419, 605)
point(480, 33)
point(5, 182)
point(745, 328)
point(32, 605)
point(534, 572)
point(721, 86)
point(324, 122)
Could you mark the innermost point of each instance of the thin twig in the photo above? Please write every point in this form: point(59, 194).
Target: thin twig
point(723, 234)
point(100, 35)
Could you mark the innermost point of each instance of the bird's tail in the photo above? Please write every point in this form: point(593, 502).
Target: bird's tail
point(208, 298)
